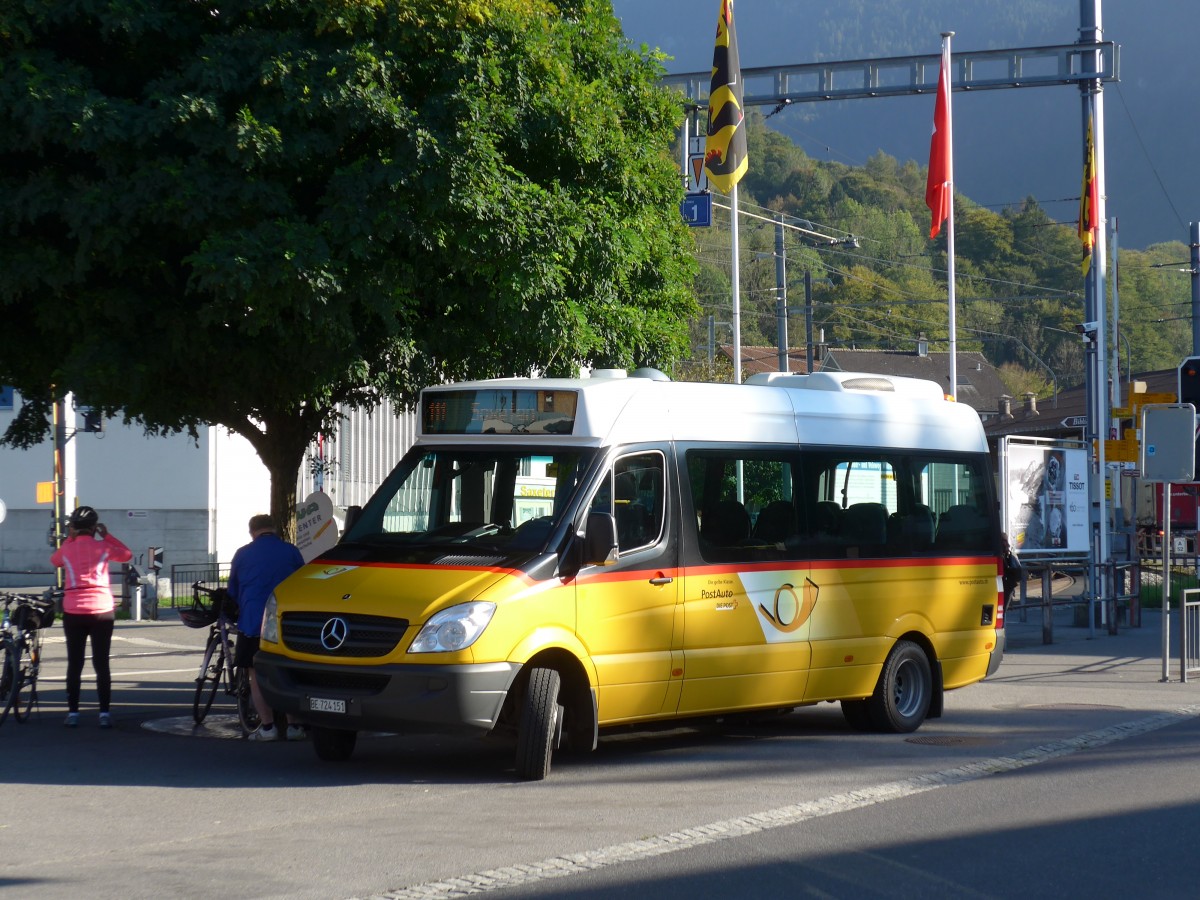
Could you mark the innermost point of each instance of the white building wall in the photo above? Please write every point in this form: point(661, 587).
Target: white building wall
point(149, 491)
point(192, 498)
point(240, 487)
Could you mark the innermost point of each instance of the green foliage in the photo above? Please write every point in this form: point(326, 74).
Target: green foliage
point(1018, 281)
point(250, 213)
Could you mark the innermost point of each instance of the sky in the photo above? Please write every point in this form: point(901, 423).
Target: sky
point(1008, 144)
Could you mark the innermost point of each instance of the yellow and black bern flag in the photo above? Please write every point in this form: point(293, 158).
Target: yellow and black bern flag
point(725, 147)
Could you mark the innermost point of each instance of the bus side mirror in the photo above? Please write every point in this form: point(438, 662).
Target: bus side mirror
point(600, 540)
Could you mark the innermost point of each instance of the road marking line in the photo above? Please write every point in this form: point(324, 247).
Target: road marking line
point(520, 874)
point(117, 676)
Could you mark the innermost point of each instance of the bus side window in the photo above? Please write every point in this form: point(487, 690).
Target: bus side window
point(956, 492)
point(639, 500)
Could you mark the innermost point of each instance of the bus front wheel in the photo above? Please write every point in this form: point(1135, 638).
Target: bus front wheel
point(540, 730)
point(904, 692)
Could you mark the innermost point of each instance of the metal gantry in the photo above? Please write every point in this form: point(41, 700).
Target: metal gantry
point(974, 70)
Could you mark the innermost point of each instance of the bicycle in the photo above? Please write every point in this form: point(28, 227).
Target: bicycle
point(25, 617)
point(212, 607)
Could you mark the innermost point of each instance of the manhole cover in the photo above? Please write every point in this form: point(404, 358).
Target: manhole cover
point(1072, 707)
point(949, 740)
point(215, 726)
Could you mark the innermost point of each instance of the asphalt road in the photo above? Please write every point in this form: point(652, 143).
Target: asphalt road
point(1070, 773)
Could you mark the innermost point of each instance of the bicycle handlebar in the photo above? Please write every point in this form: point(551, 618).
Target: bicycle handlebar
point(47, 596)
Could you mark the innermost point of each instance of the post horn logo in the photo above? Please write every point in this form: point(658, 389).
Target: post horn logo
point(792, 609)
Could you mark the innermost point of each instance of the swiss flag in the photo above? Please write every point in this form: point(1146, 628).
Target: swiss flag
point(939, 188)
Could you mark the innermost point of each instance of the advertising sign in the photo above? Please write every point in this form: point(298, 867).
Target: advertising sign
point(316, 530)
point(1045, 505)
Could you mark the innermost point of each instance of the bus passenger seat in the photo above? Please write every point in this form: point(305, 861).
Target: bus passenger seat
point(776, 523)
point(726, 525)
point(918, 529)
point(826, 519)
point(962, 527)
point(865, 527)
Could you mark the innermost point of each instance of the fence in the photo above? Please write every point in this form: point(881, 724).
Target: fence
point(1184, 575)
point(183, 577)
point(1189, 651)
point(1048, 584)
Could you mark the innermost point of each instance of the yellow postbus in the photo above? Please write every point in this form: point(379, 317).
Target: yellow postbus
point(554, 557)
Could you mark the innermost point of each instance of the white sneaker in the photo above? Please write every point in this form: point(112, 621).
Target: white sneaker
point(264, 733)
point(296, 732)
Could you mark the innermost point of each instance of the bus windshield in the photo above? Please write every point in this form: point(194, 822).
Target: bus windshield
point(491, 499)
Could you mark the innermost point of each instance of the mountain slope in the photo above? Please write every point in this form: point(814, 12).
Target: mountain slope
point(1009, 144)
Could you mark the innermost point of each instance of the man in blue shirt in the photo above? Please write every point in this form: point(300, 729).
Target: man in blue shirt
point(257, 568)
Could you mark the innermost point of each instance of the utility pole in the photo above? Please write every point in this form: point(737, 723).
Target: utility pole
point(1194, 243)
point(808, 317)
point(1091, 31)
point(781, 313)
point(65, 487)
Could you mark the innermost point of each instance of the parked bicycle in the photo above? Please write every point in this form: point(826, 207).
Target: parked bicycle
point(213, 608)
point(25, 617)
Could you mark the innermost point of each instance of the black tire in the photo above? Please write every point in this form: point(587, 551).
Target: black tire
point(540, 729)
point(333, 744)
point(248, 716)
point(209, 679)
point(24, 692)
point(9, 673)
point(857, 714)
point(904, 692)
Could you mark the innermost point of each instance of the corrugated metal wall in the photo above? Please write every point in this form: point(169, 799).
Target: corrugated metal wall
point(362, 453)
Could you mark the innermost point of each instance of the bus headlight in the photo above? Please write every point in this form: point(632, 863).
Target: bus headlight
point(270, 622)
point(453, 629)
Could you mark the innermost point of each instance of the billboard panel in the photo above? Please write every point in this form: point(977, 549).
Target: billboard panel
point(1045, 508)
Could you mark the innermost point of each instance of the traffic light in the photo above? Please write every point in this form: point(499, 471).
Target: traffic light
point(1189, 381)
point(1189, 392)
point(93, 422)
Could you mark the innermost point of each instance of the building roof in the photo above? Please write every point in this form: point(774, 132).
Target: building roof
point(1042, 418)
point(765, 359)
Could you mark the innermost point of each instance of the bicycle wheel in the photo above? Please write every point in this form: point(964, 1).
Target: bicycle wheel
point(209, 678)
point(25, 690)
point(247, 714)
point(9, 673)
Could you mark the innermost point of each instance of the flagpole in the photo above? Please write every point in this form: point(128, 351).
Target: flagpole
point(946, 35)
point(725, 157)
point(736, 279)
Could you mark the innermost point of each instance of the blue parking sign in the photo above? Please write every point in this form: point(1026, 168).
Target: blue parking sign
point(697, 210)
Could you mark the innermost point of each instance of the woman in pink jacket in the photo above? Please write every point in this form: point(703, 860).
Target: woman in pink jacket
point(88, 604)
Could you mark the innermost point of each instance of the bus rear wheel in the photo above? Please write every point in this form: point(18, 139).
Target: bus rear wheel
point(904, 692)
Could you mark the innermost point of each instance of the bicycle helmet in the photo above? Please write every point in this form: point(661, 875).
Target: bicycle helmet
point(84, 518)
point(198, 616)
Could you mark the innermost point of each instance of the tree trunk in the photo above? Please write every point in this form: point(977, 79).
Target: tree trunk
point(283, 502)
point(281, 446)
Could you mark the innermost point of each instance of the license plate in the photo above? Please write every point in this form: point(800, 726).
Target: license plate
point(324, 704)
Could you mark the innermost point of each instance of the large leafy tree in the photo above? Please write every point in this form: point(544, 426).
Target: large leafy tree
point(248, 213)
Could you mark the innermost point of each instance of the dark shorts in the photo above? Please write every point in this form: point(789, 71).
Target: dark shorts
point(244, 650)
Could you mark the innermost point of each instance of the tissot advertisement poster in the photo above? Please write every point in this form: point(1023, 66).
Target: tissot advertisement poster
point(1046, 508)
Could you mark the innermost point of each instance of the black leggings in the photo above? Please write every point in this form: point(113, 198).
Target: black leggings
point(77, 628)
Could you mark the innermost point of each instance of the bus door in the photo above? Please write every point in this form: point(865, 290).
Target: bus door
point(747, 598)
point(626, 611)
